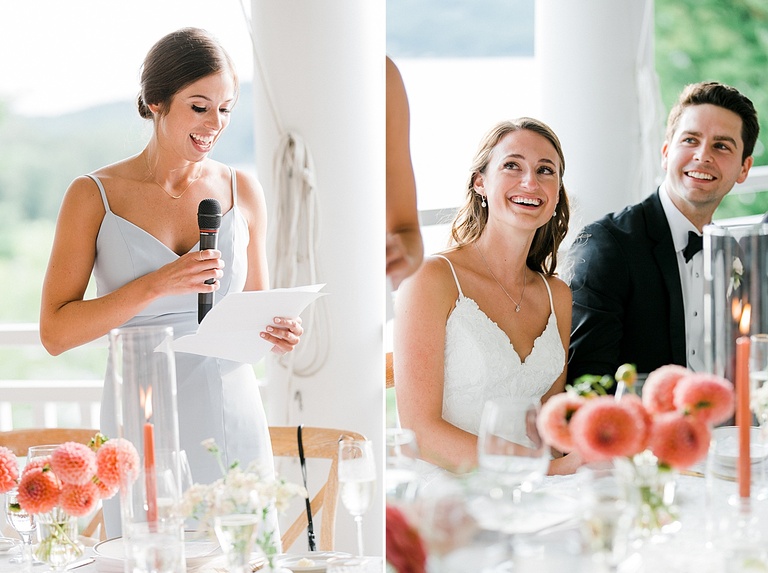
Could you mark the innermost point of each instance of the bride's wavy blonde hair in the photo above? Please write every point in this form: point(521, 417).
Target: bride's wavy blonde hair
point(472, 217)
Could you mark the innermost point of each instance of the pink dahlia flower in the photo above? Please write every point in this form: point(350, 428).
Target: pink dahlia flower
point(9, 470)
point(73, 463)
point(37, 463)
point(105, 492)
point(604, 428)
point(79, 499)
point(39, 490)
point(707, 397)
point(405, 548)
point(554, 420)
point(659, 387)
point(117, 459)
point(679, 440)
point(635, 405)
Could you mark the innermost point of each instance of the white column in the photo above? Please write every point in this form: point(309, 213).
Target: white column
point(324, 66)
point(599, 93)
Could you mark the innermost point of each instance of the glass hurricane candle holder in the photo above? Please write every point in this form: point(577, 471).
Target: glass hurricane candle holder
point(735, 291)
point(144, 370)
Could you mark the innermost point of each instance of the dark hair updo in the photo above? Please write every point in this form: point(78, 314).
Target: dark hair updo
point(176, 61)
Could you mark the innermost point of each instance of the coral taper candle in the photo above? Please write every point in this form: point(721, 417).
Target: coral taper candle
point(150, 478)
point(743, 414)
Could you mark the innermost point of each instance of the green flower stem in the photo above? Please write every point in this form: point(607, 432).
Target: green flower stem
point(57, 523)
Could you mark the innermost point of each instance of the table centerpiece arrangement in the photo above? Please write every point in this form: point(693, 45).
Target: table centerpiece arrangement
point(239, 509)
point(649, 439)
point(58, 488)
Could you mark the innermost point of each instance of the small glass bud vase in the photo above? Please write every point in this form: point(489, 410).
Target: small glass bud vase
point(144, 369)
point(58, 545)
point(236, 534)
point(657, 514)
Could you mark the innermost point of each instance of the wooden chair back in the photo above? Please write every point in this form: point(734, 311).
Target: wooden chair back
point(320, 443)
point(390, 371)
point(19, 442)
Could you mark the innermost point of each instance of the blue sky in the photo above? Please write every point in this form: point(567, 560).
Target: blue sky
point(64, 55)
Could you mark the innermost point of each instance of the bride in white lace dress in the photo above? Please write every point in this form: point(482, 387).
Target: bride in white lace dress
point(487, 319)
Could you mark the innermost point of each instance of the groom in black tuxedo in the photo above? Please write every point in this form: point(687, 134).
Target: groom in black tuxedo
point(637, 279)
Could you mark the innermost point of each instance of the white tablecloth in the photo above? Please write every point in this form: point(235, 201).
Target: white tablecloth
point(713, 538)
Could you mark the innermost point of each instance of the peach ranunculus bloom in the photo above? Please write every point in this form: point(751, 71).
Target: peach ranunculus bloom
point(605, 428)
point(39, 490)
point(39, 462)
point(105, 491)
point(677, 440)
point(79, 499)
point(73, 463)
point(659, 388)
point(405, 548)
point(634, 403)
point(706, 397)
point(554, 420)
point(115, 459)
point(9, 470)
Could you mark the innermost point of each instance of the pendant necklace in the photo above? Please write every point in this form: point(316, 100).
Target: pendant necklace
point(171, 195)
point(525, 282)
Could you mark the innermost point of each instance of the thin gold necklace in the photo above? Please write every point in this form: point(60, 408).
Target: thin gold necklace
point(525, 282)
point(171, 195)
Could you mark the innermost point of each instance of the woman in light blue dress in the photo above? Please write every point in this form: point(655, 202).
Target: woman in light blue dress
point(133, 224)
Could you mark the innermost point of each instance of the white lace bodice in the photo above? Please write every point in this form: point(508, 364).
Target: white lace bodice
point(481, 363)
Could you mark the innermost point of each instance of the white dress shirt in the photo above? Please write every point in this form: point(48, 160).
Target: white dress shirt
point(691, 281)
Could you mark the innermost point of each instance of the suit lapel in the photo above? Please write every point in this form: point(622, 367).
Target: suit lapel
point(666, 259)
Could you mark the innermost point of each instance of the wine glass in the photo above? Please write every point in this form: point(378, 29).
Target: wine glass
point(357, 476)
point(512, 459)
point(401, 475)
point(509, 445)
point(22, 522)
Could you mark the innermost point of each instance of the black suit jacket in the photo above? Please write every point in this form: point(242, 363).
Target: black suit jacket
point(627, 297)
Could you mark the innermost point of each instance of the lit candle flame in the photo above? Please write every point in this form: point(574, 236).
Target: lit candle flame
point(146, 401)
point(736, 309)
point(746, 317)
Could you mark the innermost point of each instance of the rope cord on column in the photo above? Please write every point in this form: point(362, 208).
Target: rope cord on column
point(296, 232)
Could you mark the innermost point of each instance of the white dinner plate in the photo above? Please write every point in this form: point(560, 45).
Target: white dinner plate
point(319, 558)
point(196, 551)
point(8, 544)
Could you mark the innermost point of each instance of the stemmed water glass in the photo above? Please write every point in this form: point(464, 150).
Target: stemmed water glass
point(512, 459)
point(401, 476)
point(357, 476)
point(22, 522)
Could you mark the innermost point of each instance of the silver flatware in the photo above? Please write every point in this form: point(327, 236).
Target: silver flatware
point(78, 564)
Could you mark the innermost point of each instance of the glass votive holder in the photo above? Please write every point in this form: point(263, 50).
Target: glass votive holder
point(143, 368)
point(155, 548)
point(608, 513)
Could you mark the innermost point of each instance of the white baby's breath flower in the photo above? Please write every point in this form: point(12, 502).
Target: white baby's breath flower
point(210, 445)
point(759, 403)
point(238, 491)
point(737, 272)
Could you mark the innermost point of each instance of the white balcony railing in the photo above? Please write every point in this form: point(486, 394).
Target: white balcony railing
point(46, 403)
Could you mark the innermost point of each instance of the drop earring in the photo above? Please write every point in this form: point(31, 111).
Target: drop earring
point(484, 204)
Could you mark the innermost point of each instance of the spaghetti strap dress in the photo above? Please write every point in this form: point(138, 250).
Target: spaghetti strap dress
point(217, 398)
point(482, 364)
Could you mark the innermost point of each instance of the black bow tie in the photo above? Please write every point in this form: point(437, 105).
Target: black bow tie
point(695, 244)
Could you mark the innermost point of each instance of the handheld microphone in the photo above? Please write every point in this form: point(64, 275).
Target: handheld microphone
point(209, 221)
